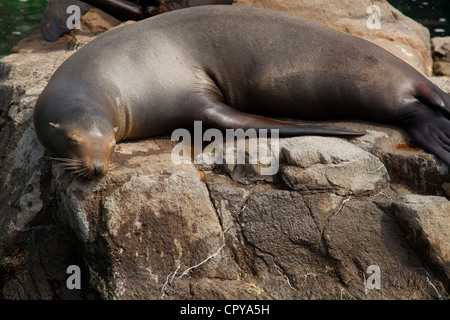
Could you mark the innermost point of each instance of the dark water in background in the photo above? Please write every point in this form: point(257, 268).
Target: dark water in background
point(434, 14)
point(19, 18)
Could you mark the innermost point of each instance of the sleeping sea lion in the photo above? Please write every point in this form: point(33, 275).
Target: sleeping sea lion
point(229, 67)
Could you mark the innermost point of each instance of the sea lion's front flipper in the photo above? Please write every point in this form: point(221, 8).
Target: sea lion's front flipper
point(219, 115)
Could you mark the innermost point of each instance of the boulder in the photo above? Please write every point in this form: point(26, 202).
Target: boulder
point(142, 225)
point(441, 54)
point(93, 22)
point(331, 164)
point(425, 219)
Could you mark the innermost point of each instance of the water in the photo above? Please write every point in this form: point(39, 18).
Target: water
point(433, 14)
point(20, 18)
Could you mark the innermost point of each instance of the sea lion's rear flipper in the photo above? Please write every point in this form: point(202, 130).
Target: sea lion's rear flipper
point(220, 116)
point(429, 128)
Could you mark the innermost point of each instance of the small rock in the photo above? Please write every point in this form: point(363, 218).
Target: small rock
point(333, 164)
point(426, 221)
point(441, 53)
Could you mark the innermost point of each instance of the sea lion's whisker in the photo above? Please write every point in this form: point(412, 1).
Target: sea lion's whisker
point(81, 174)
point(67, 164)
point(80, 170)
point(64, 159)
point(72, 167)
point(59, 159)
point(85, 173)
point(69, 169)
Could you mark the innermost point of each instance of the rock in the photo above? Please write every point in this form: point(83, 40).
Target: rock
point(441, 82)
point(363, 234)
point(405, 162)
point(331, 164)
point(151, 229)
point(398, 34)
point(257, 160)
point(35, 249)
point(149, 224)
point(426, 221)
point(93, 22)
point(57, 16)
point(22, 164)
point(318, 245)
point(441, 53)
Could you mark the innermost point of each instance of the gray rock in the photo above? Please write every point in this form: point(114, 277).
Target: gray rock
point(440, 47)
point(21, 164)
point(364, 233)
point(151, 219)
point(331, 164)
point(426, 221)
point(405, 162)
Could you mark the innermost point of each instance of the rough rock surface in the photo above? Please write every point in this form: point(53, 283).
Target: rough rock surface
point(93, 22)
point(151, 229)
point(441, 54)
point(326, 163)
point(398, 34)
point(425, 219)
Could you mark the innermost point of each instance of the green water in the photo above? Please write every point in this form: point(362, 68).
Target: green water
point(19, 18)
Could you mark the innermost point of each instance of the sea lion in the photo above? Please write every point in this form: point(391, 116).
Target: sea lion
point(223, 65)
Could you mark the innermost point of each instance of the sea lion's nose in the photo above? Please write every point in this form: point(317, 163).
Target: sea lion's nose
point(98, 168)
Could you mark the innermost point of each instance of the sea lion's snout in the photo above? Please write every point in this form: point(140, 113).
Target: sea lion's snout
point(98, 168)
point(93, 166)
point(97, 161)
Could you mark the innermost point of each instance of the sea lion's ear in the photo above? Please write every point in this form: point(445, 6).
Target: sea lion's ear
point(54, 125)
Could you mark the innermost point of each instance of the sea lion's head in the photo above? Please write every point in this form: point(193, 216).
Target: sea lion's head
point(86, 153)
point(82, 142)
